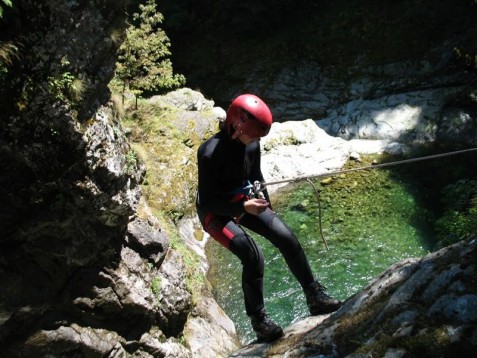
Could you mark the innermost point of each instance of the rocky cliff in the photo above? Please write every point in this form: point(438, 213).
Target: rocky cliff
point(85, 269)
point(327, 60)
point(416, 308)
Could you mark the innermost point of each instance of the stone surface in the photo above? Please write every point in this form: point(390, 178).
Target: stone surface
point(393, 316)
point(85, 268)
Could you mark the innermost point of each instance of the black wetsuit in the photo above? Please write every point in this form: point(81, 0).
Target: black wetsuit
point(225, 168)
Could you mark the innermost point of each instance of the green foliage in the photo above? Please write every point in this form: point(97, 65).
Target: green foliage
point(459, 219)
point(167, 144)
point(5, 3)
point(8, 52)
point(131, 162)
point(156, 285)
point(65, 86)
point(143, 64)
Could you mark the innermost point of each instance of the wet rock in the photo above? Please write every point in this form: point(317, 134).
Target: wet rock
point(411, 307)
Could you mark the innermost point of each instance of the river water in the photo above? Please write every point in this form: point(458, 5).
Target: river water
point(370, 220)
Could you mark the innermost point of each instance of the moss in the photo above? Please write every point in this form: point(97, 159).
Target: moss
point(131, 162)
point(194, 277)
point(286, 138)
point(351, 334)
point(169, 153)
point(156, 285)
point(199, 234)
point(433, 342)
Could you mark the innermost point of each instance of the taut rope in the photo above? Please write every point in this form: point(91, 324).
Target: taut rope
point(309, 178)
point(373, 166)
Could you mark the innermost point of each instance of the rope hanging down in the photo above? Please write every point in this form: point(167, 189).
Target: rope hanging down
point(260, 186)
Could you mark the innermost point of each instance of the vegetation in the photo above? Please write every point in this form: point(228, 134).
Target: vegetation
point(169, 154)
point(5, 3)
point(160, 141)
point(459, 219)
point(192, 262)
point(8, 51)
point(65, 86)
point(143, 69)
point(143, 61)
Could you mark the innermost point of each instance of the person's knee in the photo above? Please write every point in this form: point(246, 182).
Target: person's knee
point(284, 238)
point(248, 252)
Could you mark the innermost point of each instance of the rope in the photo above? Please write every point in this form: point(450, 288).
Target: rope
point(375, 166)
point(319, 213)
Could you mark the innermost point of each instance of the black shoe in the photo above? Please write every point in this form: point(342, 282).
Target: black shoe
point(265, 328)
point(318, 301)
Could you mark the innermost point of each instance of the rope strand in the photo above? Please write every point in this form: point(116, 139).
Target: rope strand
point(319, 213)
point(375, 166)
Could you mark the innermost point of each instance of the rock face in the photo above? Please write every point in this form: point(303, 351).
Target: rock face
point(356, 74)
point(425, 307)
point(85, 270)
point(327, 60)
point(294, 150)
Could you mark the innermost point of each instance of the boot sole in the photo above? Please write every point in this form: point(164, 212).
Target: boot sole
point(271, 337)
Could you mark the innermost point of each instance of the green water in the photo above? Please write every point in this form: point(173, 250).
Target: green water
point(370, 219)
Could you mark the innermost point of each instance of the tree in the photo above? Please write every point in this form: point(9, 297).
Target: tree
point(143, 60)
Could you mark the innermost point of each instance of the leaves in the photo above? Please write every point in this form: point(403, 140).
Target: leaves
point(143, 63)
point(6, 3)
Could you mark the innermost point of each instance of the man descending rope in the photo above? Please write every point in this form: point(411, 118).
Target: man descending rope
point(228, 162)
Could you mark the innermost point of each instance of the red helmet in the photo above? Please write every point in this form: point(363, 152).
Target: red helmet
point(250, 115)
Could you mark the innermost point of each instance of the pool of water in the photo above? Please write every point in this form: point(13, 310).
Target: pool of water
point(370, 220)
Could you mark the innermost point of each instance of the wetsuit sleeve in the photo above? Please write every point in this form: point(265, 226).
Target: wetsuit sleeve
point(210, 199)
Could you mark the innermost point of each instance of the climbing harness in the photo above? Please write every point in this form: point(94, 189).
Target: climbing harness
point(258, 187)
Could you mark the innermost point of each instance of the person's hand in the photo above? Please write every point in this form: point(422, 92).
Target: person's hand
point(255, 206)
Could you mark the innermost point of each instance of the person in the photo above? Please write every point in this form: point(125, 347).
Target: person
point(227, 163)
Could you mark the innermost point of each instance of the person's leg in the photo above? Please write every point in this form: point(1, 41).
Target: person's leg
point(270, 226)
point(224, 230)
point(245, 248)
point(229, 234)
